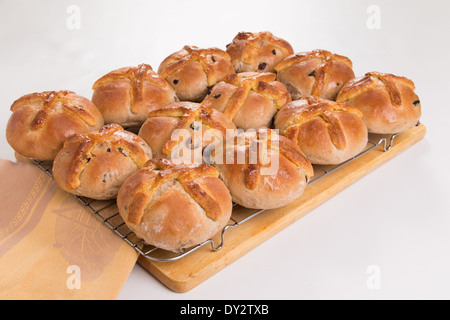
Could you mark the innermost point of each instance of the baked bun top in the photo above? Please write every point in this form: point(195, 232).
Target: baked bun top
point(97, 163)
point(184, 127)
point(262, 169)
point(326, 131)
point(388, 102)
point(257, 52)
point(193, 70)
point(125, 96)
point(174, 206)
point(40, 122)
point(250, 99)
point(315, 73)
point(162, 170)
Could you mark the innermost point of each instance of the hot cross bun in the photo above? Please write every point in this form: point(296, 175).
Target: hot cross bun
point(249, 99)
point(125, 96)
point(174, 206)
point(315, 73)
point(326, 131)
point(192, 71)
point(263, 170)
point(257, 52)
point(40, 122)
point(183, 129)
point(388, 102)
point(95, 164)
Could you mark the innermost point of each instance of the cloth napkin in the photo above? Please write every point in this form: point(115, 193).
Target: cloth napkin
point(51, 246)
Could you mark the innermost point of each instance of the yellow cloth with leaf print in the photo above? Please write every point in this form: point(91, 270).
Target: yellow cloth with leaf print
point(51, 246)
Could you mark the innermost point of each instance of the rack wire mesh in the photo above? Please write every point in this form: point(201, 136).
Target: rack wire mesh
point(108, 212)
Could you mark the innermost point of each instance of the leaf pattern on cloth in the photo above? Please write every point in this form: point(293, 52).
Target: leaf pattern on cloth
point(83, 240)
point(23, 211)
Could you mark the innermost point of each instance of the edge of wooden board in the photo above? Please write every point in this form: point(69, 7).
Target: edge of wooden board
point(186, 273)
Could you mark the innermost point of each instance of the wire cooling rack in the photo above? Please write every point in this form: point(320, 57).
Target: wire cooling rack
point(108, 212)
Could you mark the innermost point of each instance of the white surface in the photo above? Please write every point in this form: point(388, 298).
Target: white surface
point(396, 218)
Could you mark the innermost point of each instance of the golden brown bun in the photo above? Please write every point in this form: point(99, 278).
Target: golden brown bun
point(250, 99)
point(388, 102)
point(95, 165)
point(263, 170)
point(257, 52)
point(125, 96)
point(40, 122)
point(326, 131)
point(159, 131)
point(192, 71)
point(174, 207)
point(315, 73)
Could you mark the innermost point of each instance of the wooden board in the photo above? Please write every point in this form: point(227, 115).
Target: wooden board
point(186, 273)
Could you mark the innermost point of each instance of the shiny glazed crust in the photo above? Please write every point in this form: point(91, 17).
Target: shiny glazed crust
point(174, 206)
point(249, 99)
point(202, 123)
point(315, 73)
point(125, 96)
point(263, 170)
point(40, 122)
point(192, 71)
point(95, 165)
point(388, 102)
point(257, 52)
point(326, 131)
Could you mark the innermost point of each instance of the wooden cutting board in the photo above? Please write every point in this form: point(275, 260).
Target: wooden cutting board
point(186, 273)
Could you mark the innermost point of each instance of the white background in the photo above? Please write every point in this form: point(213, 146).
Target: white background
point(396, 218)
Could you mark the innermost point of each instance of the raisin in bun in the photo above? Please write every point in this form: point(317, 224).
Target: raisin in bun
point(95, 164)
point(40, 122)
point(315, 73)
point(125, 96)
point(173, 206)
point(181, 130)
point(263, 170)
point(249, 99)
point(257, 52)
point(326, 131)
point(192, 71)
point(388, 102)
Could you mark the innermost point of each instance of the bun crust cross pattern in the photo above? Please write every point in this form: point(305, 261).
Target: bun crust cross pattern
point(192, 71)
point(388, 102)
point(163, 127)
point(126, 95)
point(40, 122)
point(164, 171)
point(326, 131)
point(249, 99)
point(315, 73)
